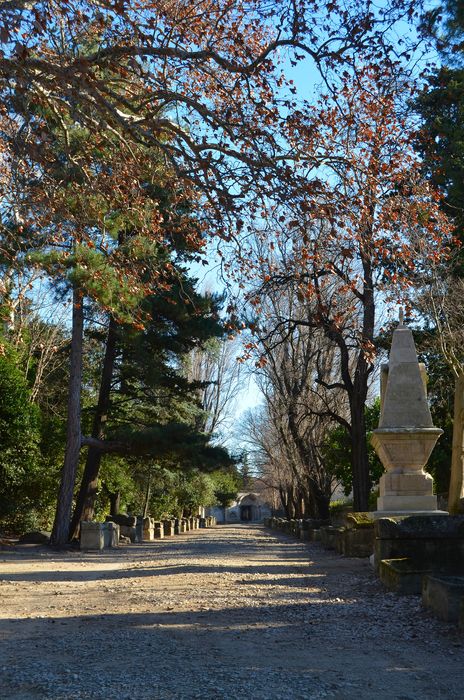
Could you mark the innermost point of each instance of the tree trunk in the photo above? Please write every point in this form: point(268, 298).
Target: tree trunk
point(457, 457)
point(284, 500)
point(322, 503)
point(147, 496)
point(115, 502)
point(85, 503)
point(291, 502)
point(359, 458)
point(60, 530)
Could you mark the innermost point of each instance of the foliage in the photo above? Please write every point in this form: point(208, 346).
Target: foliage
point(337, 450)
point(226, 486)
point(20, 459)
point(439, 380)
point(441, 142)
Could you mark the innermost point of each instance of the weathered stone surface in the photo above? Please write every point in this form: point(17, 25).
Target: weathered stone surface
point(420, 526)
point(435, 542)
point(339, 539)
point(444, 595)
point(92, 535)
point(129, 532)
point(158, 530)
point(404, 403)
point(111, 534)
point(406, 436)
point(359, 520)
point(402, 576)
point(358, 542)
point(35, 537)
point(122, 519)
point(169, 528)
point(148, 529)
point(148, 534)
point(328, 536)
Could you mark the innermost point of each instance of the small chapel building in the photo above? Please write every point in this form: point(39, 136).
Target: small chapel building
point(248, 508)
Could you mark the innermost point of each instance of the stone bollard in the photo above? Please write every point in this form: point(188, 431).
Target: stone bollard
point(111, 534)
point(169, 528)
point(148, 529)
point(158, 530)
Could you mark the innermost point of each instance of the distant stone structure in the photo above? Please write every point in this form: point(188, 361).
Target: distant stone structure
point(250, 507)
point(406, 435)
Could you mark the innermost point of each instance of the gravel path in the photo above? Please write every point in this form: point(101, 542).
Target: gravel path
point(233, 612)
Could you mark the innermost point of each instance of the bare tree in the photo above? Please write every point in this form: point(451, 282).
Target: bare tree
point(218, 374)
point(294, 359)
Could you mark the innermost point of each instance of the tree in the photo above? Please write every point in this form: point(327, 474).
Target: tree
point(290, 358)
point(441, 107)
point(135, 71)
point(20, 459)
point(208, 97)
point(337, 451)
point(359, 231)
point(217, 372)
point(146, 366)
point(226, 487)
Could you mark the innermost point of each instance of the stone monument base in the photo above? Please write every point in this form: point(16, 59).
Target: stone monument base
point(376, 514)
point(406, 492)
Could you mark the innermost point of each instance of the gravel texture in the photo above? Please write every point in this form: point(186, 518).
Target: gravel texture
point(231, 612)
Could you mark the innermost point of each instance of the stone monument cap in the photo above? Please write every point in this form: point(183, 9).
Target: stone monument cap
point(404, 404)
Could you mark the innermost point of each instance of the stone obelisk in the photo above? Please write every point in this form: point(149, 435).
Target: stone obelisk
point(406, 435)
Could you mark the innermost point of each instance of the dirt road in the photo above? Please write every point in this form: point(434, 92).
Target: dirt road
point(232, 612)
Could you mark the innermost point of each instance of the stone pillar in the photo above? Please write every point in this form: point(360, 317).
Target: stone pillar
point(406, 436)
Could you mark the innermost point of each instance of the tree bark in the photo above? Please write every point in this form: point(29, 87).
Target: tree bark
point(60, 530)
point(115, 502)
point(147, 496)
point(85, 503)
point(457, 457)
point(359, 456)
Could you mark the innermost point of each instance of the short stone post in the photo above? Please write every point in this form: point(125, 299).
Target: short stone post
point(168, 528)
point(148, 529)
point(158, 530)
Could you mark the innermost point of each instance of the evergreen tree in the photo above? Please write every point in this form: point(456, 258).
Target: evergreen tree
point(20, 459)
